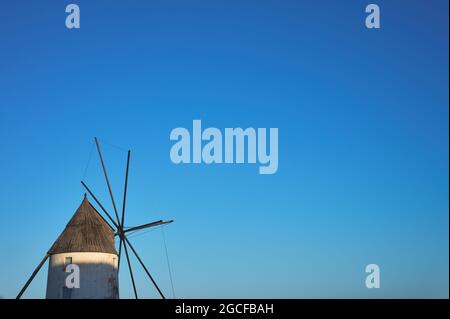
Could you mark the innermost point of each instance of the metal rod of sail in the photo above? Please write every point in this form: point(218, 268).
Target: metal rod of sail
point(152, 224)
point(99, 204)
point(143, 266)
point(123, 204)
point(131, 271)
point(107, 180)
point(32, 276)
point(125, 189)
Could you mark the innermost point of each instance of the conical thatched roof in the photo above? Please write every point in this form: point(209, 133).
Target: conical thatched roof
point(86, 231)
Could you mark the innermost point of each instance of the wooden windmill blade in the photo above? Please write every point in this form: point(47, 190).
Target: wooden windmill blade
point(152, 224)
point(32, 276)
point(131, 271)
point(124, 202)
point(107, 181)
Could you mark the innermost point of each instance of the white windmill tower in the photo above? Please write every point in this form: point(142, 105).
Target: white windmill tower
point(88, 242)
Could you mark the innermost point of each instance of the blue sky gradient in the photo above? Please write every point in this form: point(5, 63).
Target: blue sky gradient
point(363, 142)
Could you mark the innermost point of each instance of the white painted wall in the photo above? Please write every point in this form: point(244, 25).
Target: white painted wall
point(98, 276)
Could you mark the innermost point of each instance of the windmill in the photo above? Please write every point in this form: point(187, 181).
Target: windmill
point(89, 239)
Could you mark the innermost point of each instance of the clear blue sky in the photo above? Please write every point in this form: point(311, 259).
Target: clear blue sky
point(363, 136)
